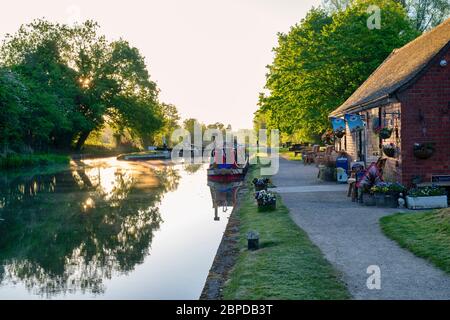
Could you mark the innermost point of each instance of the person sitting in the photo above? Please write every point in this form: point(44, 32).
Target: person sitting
point(372, 176)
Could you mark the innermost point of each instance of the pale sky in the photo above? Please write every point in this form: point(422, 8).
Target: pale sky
point(207, 56)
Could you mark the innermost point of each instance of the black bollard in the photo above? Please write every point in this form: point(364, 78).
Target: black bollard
point(253, 240)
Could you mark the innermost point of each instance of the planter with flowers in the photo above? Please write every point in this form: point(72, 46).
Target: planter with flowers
point(427, 198)
point(387, 194)
point(390, 150)
point(267, 201)
point(261, 184)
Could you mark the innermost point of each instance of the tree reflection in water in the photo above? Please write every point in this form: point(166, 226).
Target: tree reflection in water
point(67, 232)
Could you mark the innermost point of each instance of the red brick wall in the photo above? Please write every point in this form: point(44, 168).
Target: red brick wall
point(431, 95)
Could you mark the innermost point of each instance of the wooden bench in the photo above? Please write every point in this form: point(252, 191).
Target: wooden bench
point(309, 156)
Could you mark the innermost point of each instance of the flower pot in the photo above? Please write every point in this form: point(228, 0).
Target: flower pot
point(369, 200)
point(435, 202)
point(424, 150)
point(385, 134)
point(389, 152)
point(423, 153)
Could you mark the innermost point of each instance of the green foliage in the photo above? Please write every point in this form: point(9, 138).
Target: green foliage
point(75, 82)
point(171, 119)
point(387, 187)
point(12, 107)
point(323, 60)
point(335, 5)
point(427, 14)
point(433, 191)
point(15, 161)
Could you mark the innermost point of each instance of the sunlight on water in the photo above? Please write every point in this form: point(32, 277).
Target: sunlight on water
point(111, 229)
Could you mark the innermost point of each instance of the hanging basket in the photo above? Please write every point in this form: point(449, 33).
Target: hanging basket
point(389, 150)
point(423, 150)
point(339, 134)
point(385, 133)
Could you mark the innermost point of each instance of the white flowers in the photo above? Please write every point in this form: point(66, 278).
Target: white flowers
point(265, 198)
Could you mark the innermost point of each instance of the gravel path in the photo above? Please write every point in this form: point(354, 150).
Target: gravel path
point(351, 239)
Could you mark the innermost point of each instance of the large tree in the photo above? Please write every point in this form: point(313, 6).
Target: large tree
point(323, 60)
point(335, 5)
point(425, 14)
point(171, 119)
point(79, 81)
point(13, 95)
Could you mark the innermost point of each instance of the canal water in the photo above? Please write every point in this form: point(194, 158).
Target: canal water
point(106, 229)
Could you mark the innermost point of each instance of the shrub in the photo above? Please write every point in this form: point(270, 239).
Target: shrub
point(15, 161)
point(387, 187)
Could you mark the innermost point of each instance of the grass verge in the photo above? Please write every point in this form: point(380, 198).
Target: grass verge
point(287, 266)
point(289, 155)
point(17, 161)
point(426, 234)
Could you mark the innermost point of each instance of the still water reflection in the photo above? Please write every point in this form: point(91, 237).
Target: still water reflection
point(110, 229)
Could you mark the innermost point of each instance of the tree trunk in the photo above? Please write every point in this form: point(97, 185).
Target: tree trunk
point(81, 140)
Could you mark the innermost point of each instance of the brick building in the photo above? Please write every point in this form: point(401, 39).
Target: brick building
point(410, 94)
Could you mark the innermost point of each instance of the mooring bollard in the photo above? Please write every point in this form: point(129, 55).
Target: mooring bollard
point(253, 240)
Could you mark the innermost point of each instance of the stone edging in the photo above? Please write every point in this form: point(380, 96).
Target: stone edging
point(226, 255)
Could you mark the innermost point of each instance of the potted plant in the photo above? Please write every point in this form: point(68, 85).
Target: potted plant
point(423, 150)
point(261, 184)
point(389, 150)
point(379, 191)
point(385, 133)
point(396, 189)
point(267, 201)
point(387, 194)
point(427, 198)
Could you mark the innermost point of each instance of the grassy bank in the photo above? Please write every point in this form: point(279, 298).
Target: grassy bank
point(17, 161)
point(288, 265)
point(426, 234)
point(290, 155)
